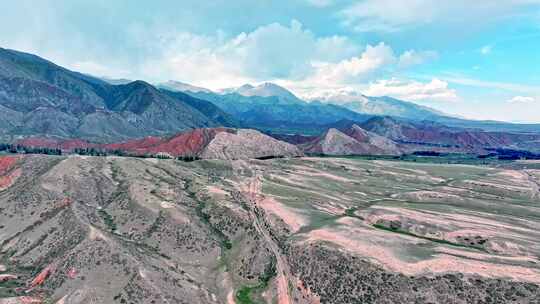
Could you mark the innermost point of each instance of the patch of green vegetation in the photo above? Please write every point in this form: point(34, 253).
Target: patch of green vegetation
point(445, 242)
point(243, 295)
point(449, 158)
point(9, 284)
point(351, 212)
point(319, 219)
point(108, 219)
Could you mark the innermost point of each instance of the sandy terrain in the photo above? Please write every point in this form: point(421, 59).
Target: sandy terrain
point(440, 263)
point(202, 231)
point(294, 220)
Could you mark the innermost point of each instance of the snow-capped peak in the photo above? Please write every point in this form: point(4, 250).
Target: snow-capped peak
point(338, 96)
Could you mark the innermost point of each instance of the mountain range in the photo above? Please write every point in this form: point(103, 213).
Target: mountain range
point(41, 100)
point(272, 108)
point(386, 106)
point(383, 135)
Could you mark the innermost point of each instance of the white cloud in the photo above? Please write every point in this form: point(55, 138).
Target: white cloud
point(193, 58)
point(335, 48)
point(522, 99)
point(412, 57)
point(269, 52)
point(435, 90)
point(355, 74)
point(354, 69)
point(398, 15)
point(486, 49)
point(373, 62)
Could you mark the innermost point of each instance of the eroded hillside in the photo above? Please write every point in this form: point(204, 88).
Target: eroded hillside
point(128, 230)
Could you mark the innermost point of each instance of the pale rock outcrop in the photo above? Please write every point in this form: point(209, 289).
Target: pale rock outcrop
point(245, 144)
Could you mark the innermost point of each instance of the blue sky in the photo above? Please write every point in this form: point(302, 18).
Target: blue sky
point(478, 59)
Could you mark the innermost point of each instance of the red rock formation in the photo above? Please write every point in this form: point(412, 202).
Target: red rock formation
point(42, 276)
point(8, 173)
point(7, 163)
point(186, 143)
point(31, 300)
point(135, 145)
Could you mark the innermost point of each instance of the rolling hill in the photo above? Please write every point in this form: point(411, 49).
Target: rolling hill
point(352, 141)
point(205, 143)
point(328, 230)
point(431, 133)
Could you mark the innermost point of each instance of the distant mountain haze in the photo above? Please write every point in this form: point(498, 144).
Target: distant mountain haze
point(332, 107)
point(382, 106)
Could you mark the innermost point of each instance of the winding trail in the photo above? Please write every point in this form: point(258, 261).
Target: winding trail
point(253, 195)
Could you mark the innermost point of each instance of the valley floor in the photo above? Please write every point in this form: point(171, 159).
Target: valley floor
point(306, 230)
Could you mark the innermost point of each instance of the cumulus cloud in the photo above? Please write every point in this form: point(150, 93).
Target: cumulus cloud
point(522, 99)
point(435, 90)
point(373, 62)
point(352, 75)
point(355, 69)
point(335, 48)
point(269, 52)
